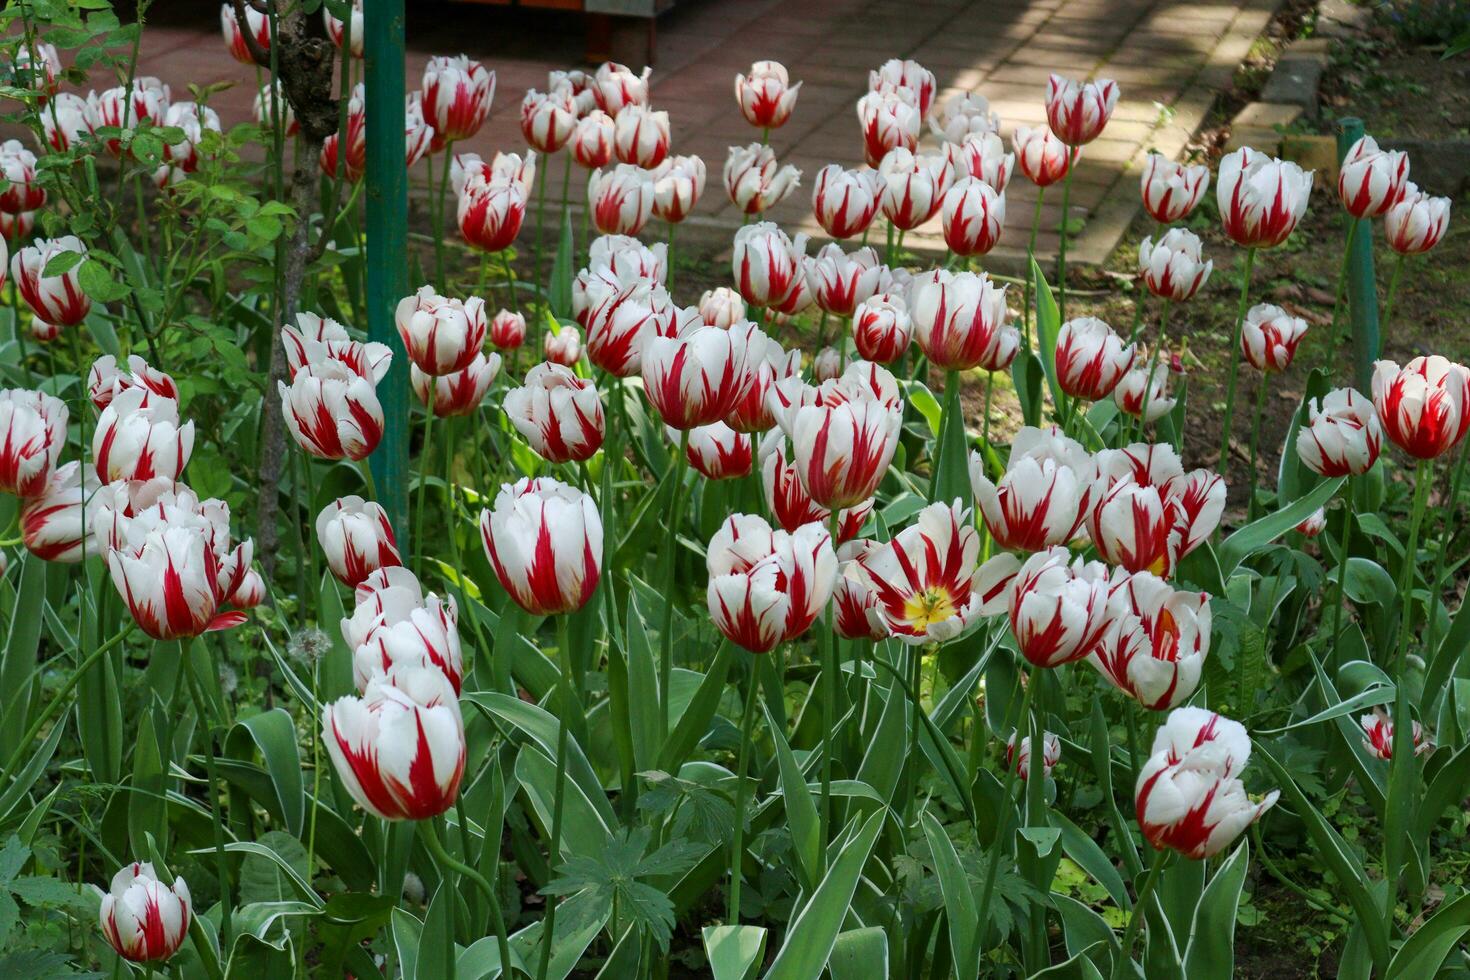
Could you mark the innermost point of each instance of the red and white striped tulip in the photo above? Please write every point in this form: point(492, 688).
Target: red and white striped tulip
point(985, 158)
point(457, 93)
point(18, 166)
point(139, 436)
point(1051, 754)
point(1261, 199)
point(1313, 524)
point(459, 393)
point(356, 538)
point(491, 212)
point(440, 335)
point(755, 180)
point(332, 412)
point(1156, 648)
point(765, 586)
point(400, 748)
point(678, 183)
point(257, 23)
point(349, 30)
point(105, 380)
point(1144, 392)
point(548, 119)
point(623, 256)
point(972, 216)
point(53, 525)
point(36, 66)
point(563, 347)
point(1171, 191)
point(192, 119)
point(615, 87)
point(56, 299)
point(143, 919)
point(1042, 157)
point(641, 136)
point(623, 315)
point(1417, 222)
point(1174, 267)
point(766, 264)
point(914, 186)
point(1091, 358)
point(68, 120)
point(721, 307)
point(839, 281)
point(1342, 436)
point(1189, 797)
point(170, 573)
point(1424, 406)
point(827, 365)
point(112, 108)
point(963, 116)
point(923, 579)
point(1042, 498)
point(507, 331)
point(1058, 608)
point(799, 299)
point(699, 377)
point(1370, 181)
point(1269, 337)
point(845, 201)
point(520, 170)
point(1078, 111)
point(263, 111)
point(1378, 736)
point(854, 603)
point(621, 199)
point(896, 74)
point(559, 414)
point(752, 412)
point(398, 627)
point(592, 140)
point(881, 328)
point(544, 540)
point(316, 338)
point(788, 501)
point(890, 120)
point(717, 451)
point(1147, 513)
point(958, 319)
point(766, 95)
point(576, 83)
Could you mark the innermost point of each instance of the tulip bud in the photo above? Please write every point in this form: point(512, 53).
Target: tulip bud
point(457, 93)
point(766, 96)
point(332, 412)
point(755, 180)
point(18, 166)
point(843, 433)
point(621, 199)
point(615, 86)
point(1051, 754)
point(909, 76)
point(1172, 190)
point(1269, 337)
point(1078, 111)
point(356, 538)
point(396, 627)
point(1091, 358)
point(958, 319)
point(1417, 222)
point(1378, 736)
point(752, 412)
point(576, 83)
point(508, 330)
point(399, 749)
point(68, 121)
point(1144, 393)
point(697, 378)
point(456, 394)
point(1189, 797)
point(964, 116)
point(57, 299)
point(143, 919)
point(350, 30)
point(923, 579)
point(548, 119)
point(845, 201)
point(53, 523)
point(139, 436)
point(840, 281)
point(767, 264)
point(257, 23)
point(641, 136)
point(544, 540)
point(557, 413)
point(881, 328)
point(767, 587)
point(1313, 524)
point(973, 216)
point(250, 593)
point(1146, 512)
point(1261, 199)
point(890, 120)
point(1342, 436)
point(1042, 498)
point(1370, 181)
point(1042, 157)
point(1156, 648)
point(1172, 267)
point(1424, 406)
point(914, 186)
point(854, 602)
point(717, 451)
point(677, 185)
point(491, 212)
point(592, 140)
point(721, 307)
point(1058, 608)
point(441, 335)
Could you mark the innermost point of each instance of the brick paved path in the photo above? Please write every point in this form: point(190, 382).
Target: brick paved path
point(1169, 58)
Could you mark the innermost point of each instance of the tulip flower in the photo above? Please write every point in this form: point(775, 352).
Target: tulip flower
point(799, 298)
point(845, 201)
point(923, 579)
point(332, 412)
point(112, 108)
point(36, 66)
point(854, 603)
point(755, 181)
point(1173, 268)
point(1058, 608)
point(840, 281)
point(397, 627)
point(615, 86)
point(973, 216)
point(1313, 524)
point(963, 116)
point(621, 199)
point(985, 159)
point(914, 186)
point(139, 436)
point(1416, 222)
point(170, 573)
point(104, 380)
point(766, 95)
point(1342, 436)
point(18, 166)
point(557, 413)
point(441, 335)
point(592, 140)
point(717, 451)
point(827, 365)
point(1189, 797)
point(350, 29)
point(1261, 199)
point(623, 316)
point(721, 307)
point(457, 93)
point(1171, 191)
point(1042, 157)
point(890, 120)
point(576, 83)
point(1147, 513)
point(1144, 393)
point(356, 538)
point(1091, 358)
point(264, 110)
point(1424, 407)
point(562, 347)
point(507, 331)
point(765, 586)
point(1269, 337)
point(52, 522)
point(491, 212)
point(347, 150)
point(752, 412)
point(1042, 498)
point(1078, 111)
point(400, 748)
point(1051, 754)
point(1156, 648)
point(881, 328)
point(1370, 181)
point(788, 501)
point(958, 318)
point(143, 919)
point(68, 120)
point(1378, 736)
point(767, 264)
point(697, 378)
point(843, 433)
point(623, 255)
point(519, 170)
point(678, 183)
point(544, 540)
point(317, 338)
point(257, 22)
point(910, 76)
point(193, 119)
point(641, 136)
point(459, 393)
point(57, 299)
point(548, 119)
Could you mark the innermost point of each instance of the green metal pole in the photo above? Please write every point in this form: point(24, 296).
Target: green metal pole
point(387, 245)
point(1362, 285)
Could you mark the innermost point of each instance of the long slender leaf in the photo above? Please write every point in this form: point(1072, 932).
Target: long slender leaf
point(960, 908)
point(801, 809)
point(1210, 952)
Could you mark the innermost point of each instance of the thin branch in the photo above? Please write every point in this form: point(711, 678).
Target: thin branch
point(260, 55)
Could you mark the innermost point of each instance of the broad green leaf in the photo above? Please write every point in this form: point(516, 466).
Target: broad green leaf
point(626, 959)
point(1426, 950)
point(1048, 326)
point(303, 889)
point(801, 809)
point(407, 939)
point(584, 829)
point(21, 641)
point(1352, 706)
point(263, 879)
point(951, 477)
point(642, 685)
point(734, 952)
point(1090, 857)
point(1262, 531)
point(274, 735)
point(1211, 949)
point(579, 920)
point(694, 722)
point(960, 909)
point(252, 958)
point(928, 406)
point(560, 291)
point(147, 810)
point(1026, 375)
point(1078, 967)
point(436, 955)
point(860, 954)
point(31, 772)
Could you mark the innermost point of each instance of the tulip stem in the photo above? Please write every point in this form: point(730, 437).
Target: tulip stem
point(425, 459)
point(221, 861)
point(1153, 364)
point(563, 654)
point(1342, 558)
point(998, 845)
point(1135, 919)
point(540, 226)
point(830, 670)
point(1445, 534)
point(437, 203)
point(1250, 502)
point(1062, 244)
point(669, 273)
point(737, 849)
point(1030, 260)
point(510, 286)
point(666, 633)
point(1330, 364)
point(1393, 289)
point(448, 863)
point(486, 885)
point(1233, 354)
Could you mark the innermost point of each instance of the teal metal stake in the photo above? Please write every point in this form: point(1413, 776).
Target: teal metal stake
point(387, 248)
point(1362, 285)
